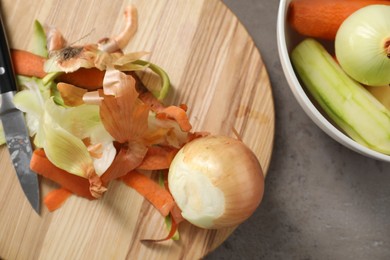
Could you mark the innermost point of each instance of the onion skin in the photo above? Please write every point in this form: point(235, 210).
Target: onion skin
point(231, 167)
point(362, 45)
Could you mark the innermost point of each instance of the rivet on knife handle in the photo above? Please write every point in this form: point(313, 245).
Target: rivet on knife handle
point(8, 82)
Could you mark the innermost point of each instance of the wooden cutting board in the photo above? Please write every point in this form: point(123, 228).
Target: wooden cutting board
point(215, 69)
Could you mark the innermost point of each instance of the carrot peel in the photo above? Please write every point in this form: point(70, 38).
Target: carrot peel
point(28, 64)
point(43, 166)
point(178, 114)
point(158, 158)
point(159, 197)
point(54, 199)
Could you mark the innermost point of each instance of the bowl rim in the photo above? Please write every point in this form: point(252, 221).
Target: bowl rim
point(303, 99)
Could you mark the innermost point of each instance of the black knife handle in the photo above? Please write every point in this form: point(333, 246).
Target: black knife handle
point(7, 76)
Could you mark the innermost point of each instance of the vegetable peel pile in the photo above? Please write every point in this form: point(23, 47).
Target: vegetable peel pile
point(93, 121)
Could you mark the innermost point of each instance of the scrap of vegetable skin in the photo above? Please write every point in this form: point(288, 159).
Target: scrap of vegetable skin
point(55, 198)
point(169, 220)
point(165, 81)
point(43, 166)
point(158, 196)
point(39, 40)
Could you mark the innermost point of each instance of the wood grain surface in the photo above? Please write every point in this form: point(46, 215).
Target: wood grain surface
point(215, 69)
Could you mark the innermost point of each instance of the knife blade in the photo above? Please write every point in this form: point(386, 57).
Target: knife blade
point(14, 126)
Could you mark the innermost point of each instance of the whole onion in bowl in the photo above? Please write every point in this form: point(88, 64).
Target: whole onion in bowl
point(362, 45)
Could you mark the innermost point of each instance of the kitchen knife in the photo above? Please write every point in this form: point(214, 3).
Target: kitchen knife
point(14, 126)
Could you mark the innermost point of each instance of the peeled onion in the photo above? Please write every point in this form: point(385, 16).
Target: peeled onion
point(216, 181)
point(363, 45)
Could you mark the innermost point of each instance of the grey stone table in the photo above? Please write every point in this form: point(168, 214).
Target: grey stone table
point(322, 200)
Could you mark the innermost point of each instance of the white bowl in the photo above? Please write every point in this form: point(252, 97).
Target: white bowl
point(287, 40)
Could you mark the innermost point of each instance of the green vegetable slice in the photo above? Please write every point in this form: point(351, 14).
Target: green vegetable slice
point(168, 219)
point(39, 41)
point(161, 93)
point(346, 102)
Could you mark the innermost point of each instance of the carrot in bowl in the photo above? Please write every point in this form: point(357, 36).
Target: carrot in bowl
point(322, 18)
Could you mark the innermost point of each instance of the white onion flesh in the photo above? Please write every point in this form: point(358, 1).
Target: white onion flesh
point(362, 45)
point(216, 181)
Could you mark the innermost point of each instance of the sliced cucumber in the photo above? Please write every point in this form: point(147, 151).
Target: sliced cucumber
point(354, 109)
